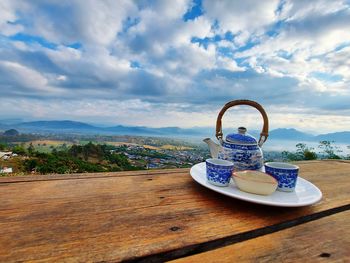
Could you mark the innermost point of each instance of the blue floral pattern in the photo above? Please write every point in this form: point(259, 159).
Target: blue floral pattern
point(219, 175)
point(241, 138)
point(287, 178)
point(244, 157)
point(240, 146)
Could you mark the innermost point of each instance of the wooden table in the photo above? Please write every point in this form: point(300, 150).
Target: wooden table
point(161, 215)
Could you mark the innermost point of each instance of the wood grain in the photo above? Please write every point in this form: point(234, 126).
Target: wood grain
point(46, 177)
point(124, 217)
point(324, 239)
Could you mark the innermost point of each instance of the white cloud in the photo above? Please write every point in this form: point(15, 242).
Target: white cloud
point(301, 9)
point(61, 78)
point(312, 34)
point(138, 113)
point(17, 74)
point(229, 64)
point(8, 18)
point(137, 60)
point(155, 34)
point(338, 62)
point(190, 59)
point(242, 16)
point(242, 38)
point(316, 123)
point(95, 22)
point(172, 10)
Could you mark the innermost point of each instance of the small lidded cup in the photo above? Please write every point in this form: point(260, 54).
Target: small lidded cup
point(219, 171)
point(285, 173)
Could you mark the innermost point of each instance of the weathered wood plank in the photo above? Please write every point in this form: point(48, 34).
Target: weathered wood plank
point(117, 218)
point(13, 179)
point(46, 177)
point(324, 239)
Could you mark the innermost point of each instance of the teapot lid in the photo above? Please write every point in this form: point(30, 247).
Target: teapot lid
point(241, 137)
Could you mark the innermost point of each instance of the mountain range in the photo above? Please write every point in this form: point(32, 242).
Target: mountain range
point(67, 126)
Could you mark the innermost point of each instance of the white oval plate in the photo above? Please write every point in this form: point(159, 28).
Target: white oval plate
point(305, 192)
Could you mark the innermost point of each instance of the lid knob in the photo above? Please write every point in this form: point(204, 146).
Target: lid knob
point(242, 130)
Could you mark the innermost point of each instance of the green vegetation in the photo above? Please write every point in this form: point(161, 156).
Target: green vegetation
point(19, 138)
point(3, 146)
point(75, 159)
point(72, 153)
point(329, 150)
point(19, 149)
point(43, 154)
point(303, 152)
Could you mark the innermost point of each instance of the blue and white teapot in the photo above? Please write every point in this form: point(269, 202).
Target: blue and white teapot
point(240, 148)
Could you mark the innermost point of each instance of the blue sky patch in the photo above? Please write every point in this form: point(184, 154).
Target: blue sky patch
point(326, 77)
point(284, 54)
point(135, 64)
point(247, 46)
point(341, 46)
point(195, 11)
point(76, 45)
point(275, 29)
point(33, 39)
point(206, 41)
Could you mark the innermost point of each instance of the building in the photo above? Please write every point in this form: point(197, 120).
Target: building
point(6, 170)
point(5, 155)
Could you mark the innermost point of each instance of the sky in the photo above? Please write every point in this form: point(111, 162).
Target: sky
point(176, 63)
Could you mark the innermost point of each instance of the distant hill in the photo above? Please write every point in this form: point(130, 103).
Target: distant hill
point(80, 127)
point(63, 125)
point(11, 132)
point(166, 131)
point(336, 136)
point(67, 126)
point(10, 121)
point(290, 134)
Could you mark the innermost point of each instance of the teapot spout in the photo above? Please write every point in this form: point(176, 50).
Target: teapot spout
point(213, 147)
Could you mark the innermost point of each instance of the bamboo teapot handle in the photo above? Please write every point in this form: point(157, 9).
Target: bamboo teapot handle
point(265, 130)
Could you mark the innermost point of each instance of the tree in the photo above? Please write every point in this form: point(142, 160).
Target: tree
point(3, 146)
point(348, 157)
point(303, 153)
point(30, 164)
point(75, 150)
point(289, 156)
point(30, 149)
point(329, 150)
point(19, 149)
point(11, 132)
